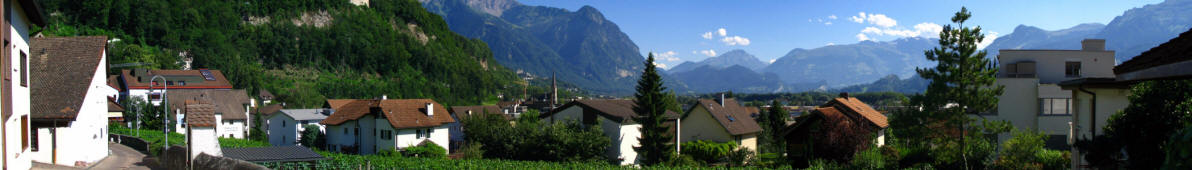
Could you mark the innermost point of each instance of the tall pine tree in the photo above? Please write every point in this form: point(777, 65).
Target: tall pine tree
point(651, 109)
point(774, 121)
point(962, 84)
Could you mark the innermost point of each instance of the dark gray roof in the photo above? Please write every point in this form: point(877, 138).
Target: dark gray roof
point(61, 72)
point(307, 114)
point(230, 103)
point(273, 154)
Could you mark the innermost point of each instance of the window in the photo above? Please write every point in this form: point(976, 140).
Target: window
point(25, 132)
point(345, 130)
point(24, 70)
point(1055, 106)
point(417, 133)
point(386, 135)
point(422, 133)
point(1072, 69)
point(355, 131)
point(34, 138)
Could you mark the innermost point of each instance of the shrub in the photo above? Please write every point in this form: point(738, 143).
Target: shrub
point(707, 152)
point(428, 150)
point(739, 156)
point(869, 159)
point(472, 151)
point(1054, 159)
point(820, 164)
point(1179, 150)
point(312, 137)
point(682, 161)
point(388, 152)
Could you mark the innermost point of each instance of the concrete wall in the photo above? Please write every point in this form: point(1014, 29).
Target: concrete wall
point(1049, 64)
point(748, 141)
point(1109, 102)
point(17, 156)
point(85, 139)
point(341, 135)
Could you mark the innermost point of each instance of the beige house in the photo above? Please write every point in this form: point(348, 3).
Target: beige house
point(1095, 99)
point(720, 120)
point(1033, 98)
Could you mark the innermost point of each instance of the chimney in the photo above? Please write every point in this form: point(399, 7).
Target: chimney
point(844, 95)
point(721, 101)
point(1092, 45)
point(384, 97)
point(430, 109)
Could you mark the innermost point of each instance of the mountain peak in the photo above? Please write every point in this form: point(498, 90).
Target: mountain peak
point(591, 13)
point(492, 7)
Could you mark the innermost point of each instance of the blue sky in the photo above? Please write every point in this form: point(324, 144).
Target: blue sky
point(689, 30)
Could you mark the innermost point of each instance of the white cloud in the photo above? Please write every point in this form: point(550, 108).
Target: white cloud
point(660, 65)
point(708, 52)
point(830, 44)
point(989, 37)
point(932, 29)
point(926, 29)
point(722, 32)
point(707, 35)
point(860, 18)
point(667, 56)
point(735, 40)
point(881, 20)
point(772, 61)
point(831, 16)
point(828, 23)
point(862, 37)
point(872, 30)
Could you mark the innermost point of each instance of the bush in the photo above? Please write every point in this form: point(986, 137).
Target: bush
point(428, 150)
point(1179, 150)
point(707, 152)
point(739, 156)
point(388, 152)
point(682, 161)
point(1054, 159)
point(472, 151)
point(869, 159)
point(532, 139)
point(820, 164)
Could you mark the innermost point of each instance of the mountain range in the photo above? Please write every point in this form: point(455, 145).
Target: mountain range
point(1129, 34)
point(734, 57)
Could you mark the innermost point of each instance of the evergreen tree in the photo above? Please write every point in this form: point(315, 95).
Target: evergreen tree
point(651, 107)
point(774, 121)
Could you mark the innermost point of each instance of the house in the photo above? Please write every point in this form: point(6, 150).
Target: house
point(115, 112)
point(720, 120)
point(231, 109)
point(1033, 98)
point(365, 126)
point(458, 112)
point(615, 118)
point(69, 100)
point(285, 126)
point(136, 83)
point(1096, 98)
point(200, 130)
point(21, 16)
point(266, 96)
point(838, 117)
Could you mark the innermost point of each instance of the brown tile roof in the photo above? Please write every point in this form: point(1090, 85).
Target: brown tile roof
point(463, 111)
point(740, 122)
point(229, 103)
point(265, 95)
point(199, 113)
point(270, 109)
point(62, 69)
point(401, 113)
point(114, 82)
point(614, 109)
point(194, 79)
point(1175, 50)
point(852, 105)
point(113, 106)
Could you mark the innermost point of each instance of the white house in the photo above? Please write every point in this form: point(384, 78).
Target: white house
point(365, 126)
point(616, 119)
point(720, 120)
point(1033, 98)
point(231, 109)
point(70, 100)
point(200, 132)
point(285, 126)
point(22, 15)
point(136, 83)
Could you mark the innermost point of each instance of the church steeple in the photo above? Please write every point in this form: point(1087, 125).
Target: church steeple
point(554, 87)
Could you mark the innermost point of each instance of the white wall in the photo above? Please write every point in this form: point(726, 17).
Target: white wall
point(1109, 102)
point(204, 140)
point(85, 139)
point(628, 137)
point(282, 130)
point(17, 156)
point(1049, 64)
point(341, 135)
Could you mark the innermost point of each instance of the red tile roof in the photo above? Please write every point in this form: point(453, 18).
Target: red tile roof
point(401, 113)
point(741, 122)
point(852, 105)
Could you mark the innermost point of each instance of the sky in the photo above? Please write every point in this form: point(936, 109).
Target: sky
point(693, 30)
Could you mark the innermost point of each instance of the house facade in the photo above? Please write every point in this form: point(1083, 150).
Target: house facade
point(200, 132)
point(136, 83)
point(615, 118)
point(21, 17)
point(231, 109)
point(838, 117)
point(365, 126)
point(720, 120)
point(1033, 98)
point(70, 100)
point(286, 125)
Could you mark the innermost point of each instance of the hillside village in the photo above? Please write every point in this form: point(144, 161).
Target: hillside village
point(66, 105)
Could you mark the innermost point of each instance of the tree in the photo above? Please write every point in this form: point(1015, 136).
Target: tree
point(774, 120)
point(962, 84)
point(1157, 110)
point(257, 132)
point(312, 137)
point(651, 109)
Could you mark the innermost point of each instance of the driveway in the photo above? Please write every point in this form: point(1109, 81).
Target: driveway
point(122, 157)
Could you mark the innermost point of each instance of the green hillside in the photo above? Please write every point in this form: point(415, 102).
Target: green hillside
point(304, 51)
